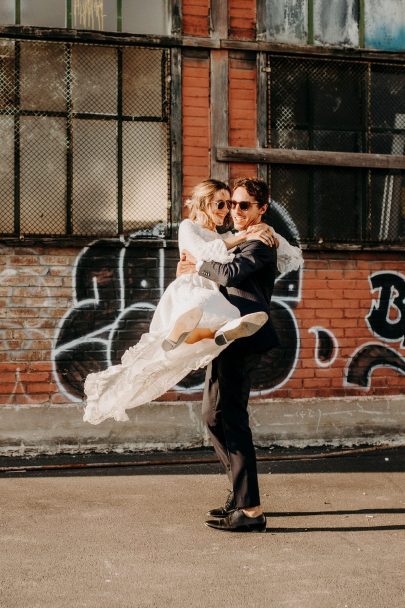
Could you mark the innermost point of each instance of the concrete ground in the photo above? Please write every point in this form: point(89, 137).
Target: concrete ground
point(132, 536)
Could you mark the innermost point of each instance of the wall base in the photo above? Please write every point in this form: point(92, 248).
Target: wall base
point(299, 423)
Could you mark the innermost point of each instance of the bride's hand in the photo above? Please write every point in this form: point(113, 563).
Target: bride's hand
point(264, 233)
point(186, 264)
point(187, 256)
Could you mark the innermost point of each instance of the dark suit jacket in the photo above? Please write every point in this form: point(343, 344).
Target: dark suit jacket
point(248, 282)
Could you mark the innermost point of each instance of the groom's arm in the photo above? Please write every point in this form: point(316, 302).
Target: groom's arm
point(254, 256)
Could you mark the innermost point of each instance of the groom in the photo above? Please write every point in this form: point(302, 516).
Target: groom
point(247, 282)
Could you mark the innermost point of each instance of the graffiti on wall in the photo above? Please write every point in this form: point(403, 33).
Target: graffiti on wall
point(386, 321)
point(117, 285)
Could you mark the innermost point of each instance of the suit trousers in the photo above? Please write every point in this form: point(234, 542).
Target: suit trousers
point(225, 412)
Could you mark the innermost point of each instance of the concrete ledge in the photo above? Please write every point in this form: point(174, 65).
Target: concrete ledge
point(34, 430)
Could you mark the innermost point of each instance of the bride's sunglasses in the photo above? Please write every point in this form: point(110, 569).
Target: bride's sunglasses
point(222, 204)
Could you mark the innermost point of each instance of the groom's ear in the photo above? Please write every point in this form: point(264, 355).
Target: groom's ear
point(263, 209)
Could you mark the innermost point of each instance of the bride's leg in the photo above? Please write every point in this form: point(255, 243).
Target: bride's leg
point(200, 333)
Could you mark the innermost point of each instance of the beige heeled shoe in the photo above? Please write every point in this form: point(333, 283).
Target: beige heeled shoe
point(240, 328)
point(183, 326)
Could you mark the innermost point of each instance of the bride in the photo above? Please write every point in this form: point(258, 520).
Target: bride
point(193, 321)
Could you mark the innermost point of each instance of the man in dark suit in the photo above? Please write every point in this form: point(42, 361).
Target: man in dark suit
point(248, 283)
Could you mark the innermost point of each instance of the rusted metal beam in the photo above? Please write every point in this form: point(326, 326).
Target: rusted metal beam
point(310, 157)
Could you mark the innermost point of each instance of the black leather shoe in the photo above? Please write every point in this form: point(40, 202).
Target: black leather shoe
point(226, 509)
point(237, 521)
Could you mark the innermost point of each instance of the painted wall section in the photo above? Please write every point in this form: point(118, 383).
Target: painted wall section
point(385, 25)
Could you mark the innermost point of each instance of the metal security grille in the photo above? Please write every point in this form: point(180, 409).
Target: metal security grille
point(85, 139)
point(340, 106)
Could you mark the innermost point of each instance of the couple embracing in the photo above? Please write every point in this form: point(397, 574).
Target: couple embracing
point(216, 313)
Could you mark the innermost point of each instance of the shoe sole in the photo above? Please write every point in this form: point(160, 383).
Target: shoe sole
point(238, 529)
point(243, 330)
point(183, 326)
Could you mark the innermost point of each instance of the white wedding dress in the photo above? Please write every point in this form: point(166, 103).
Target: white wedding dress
point(146, 371)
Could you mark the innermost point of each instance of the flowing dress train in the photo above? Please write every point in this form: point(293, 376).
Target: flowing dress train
point(146, 371)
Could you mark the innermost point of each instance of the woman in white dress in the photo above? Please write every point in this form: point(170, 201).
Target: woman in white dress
point(181, 336)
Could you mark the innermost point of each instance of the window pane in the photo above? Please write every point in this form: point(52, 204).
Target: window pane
point(387, 205)
point(139, 17)
point(384, 24)
point(337, 204)
point(42, 82)
point(7, 14)
point(43, 174)
point(336, 22)
point(94, 79)
point(94, 15)
point(45, 13)
point(145, 175)
point(7, 76)
point(94, 177)
point(7, 174)
point(287, 21)
point(142, 81)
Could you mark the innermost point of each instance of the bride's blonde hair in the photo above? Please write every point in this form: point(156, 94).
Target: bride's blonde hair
point(201, 196)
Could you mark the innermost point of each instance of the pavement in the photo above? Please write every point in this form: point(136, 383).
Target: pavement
point(127, 531)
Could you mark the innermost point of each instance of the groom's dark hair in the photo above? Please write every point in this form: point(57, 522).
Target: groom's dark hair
point(255, 187)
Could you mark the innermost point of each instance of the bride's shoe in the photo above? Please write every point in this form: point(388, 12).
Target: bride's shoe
point(240, 328)
point(183, 326)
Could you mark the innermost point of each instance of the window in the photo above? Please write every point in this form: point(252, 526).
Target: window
point(85, 138)
point(131, 16)
point(341, 106)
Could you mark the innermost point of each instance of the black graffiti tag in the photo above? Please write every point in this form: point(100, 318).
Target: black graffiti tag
point(387, 315)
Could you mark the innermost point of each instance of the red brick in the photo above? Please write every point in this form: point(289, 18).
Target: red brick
point(41, 387)
point(196, 9)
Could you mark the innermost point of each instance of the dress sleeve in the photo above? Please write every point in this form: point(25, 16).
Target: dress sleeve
point(288, 257)
point(191, 237)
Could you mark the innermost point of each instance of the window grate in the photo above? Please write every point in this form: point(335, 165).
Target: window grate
point(342, 106)
point(86, 139)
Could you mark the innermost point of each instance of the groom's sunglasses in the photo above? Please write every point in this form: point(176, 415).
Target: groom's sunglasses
point(243, 205)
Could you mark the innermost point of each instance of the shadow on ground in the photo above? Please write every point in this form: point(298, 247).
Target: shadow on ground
point(192, 462)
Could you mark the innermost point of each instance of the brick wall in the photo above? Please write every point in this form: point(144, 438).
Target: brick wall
point(196, 119)
point(329, 334)
point(196, 17)
point(242, 110)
